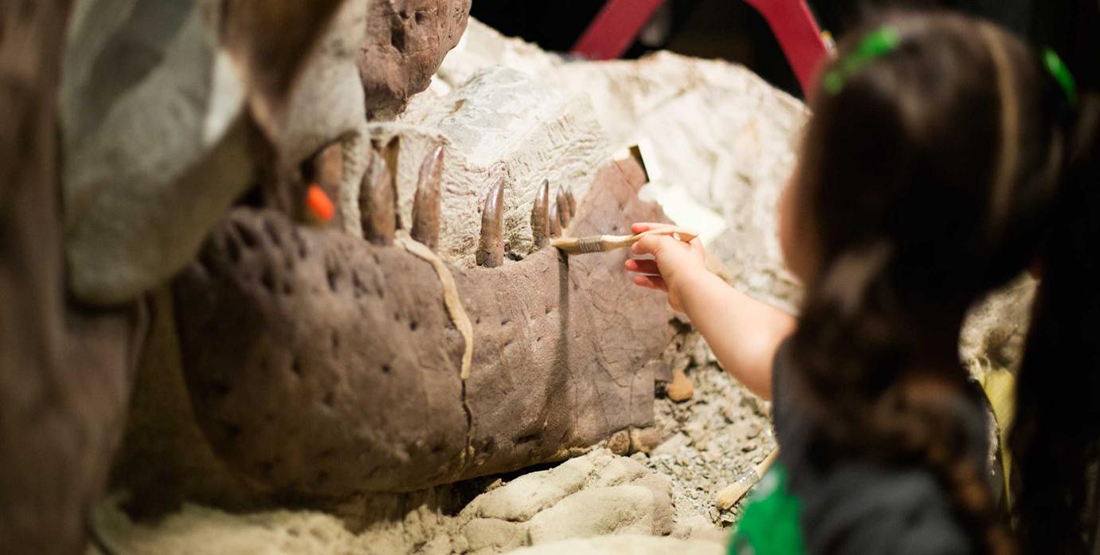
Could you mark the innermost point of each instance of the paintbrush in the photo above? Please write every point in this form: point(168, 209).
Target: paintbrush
point(606, 243)
point(731, 494)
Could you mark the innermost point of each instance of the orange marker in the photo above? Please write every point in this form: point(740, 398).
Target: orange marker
point(319, 204)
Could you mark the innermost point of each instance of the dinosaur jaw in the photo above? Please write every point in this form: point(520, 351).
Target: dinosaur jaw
point(321, 364)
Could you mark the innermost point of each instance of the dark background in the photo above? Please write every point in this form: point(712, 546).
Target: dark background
point(732, 30)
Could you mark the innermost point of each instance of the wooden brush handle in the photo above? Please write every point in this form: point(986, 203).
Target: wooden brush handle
point(606, 243)
point(683, 234)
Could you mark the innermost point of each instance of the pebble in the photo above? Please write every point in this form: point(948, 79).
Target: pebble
point(680, 389)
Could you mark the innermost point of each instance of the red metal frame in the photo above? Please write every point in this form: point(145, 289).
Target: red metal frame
point(794, 26)
point(614, 29)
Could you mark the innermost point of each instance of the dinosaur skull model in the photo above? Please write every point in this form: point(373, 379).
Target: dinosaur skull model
point(325, 364)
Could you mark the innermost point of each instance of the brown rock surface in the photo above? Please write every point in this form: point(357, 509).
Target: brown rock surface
point(321, 364)
point(405, 44)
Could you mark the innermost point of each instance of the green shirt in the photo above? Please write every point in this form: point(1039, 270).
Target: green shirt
point(769, 525)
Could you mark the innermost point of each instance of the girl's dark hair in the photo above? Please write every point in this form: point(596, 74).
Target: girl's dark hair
point(928, 178)
point(1056, 436)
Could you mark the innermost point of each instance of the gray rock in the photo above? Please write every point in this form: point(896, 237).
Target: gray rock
point(156, 105)
point(154, 140)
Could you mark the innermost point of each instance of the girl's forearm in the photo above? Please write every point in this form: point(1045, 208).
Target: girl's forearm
point(743, 333)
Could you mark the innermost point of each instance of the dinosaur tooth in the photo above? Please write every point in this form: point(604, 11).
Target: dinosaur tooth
point(540, 217)
point(555, 220)
point(328, 172)
point(572, 201)
point(426, 204)
point(490, 252)
point(378, 196)
point(564, 213)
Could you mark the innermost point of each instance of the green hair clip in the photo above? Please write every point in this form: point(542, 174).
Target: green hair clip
point(1061, 74)
point(883, 41)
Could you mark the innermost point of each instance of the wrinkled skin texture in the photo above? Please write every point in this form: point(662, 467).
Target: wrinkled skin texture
point(65, 371)
point(405, 44)
point(320, 364)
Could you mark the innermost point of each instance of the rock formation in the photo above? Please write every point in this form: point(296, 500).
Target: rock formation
point(405, 43)
point(598, 494)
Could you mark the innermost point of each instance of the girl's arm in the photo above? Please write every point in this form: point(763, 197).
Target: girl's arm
point(743, 333)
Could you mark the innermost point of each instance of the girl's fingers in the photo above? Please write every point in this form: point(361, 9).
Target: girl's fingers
point(648, 244)
point(643, 267)
point(646, 226)
point(652, 282)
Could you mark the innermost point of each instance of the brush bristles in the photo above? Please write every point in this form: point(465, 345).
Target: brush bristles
point(730, 495)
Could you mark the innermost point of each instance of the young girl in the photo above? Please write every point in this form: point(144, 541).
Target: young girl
point(927, 177)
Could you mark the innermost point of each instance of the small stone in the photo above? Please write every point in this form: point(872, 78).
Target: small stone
point(680, 389)
point(644, 440)
point(619, 442)
point(752, 430)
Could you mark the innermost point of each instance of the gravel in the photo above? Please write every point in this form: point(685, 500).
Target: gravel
point(721, 432)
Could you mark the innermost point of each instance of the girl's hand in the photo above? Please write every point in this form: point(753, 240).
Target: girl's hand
point(675, 263)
